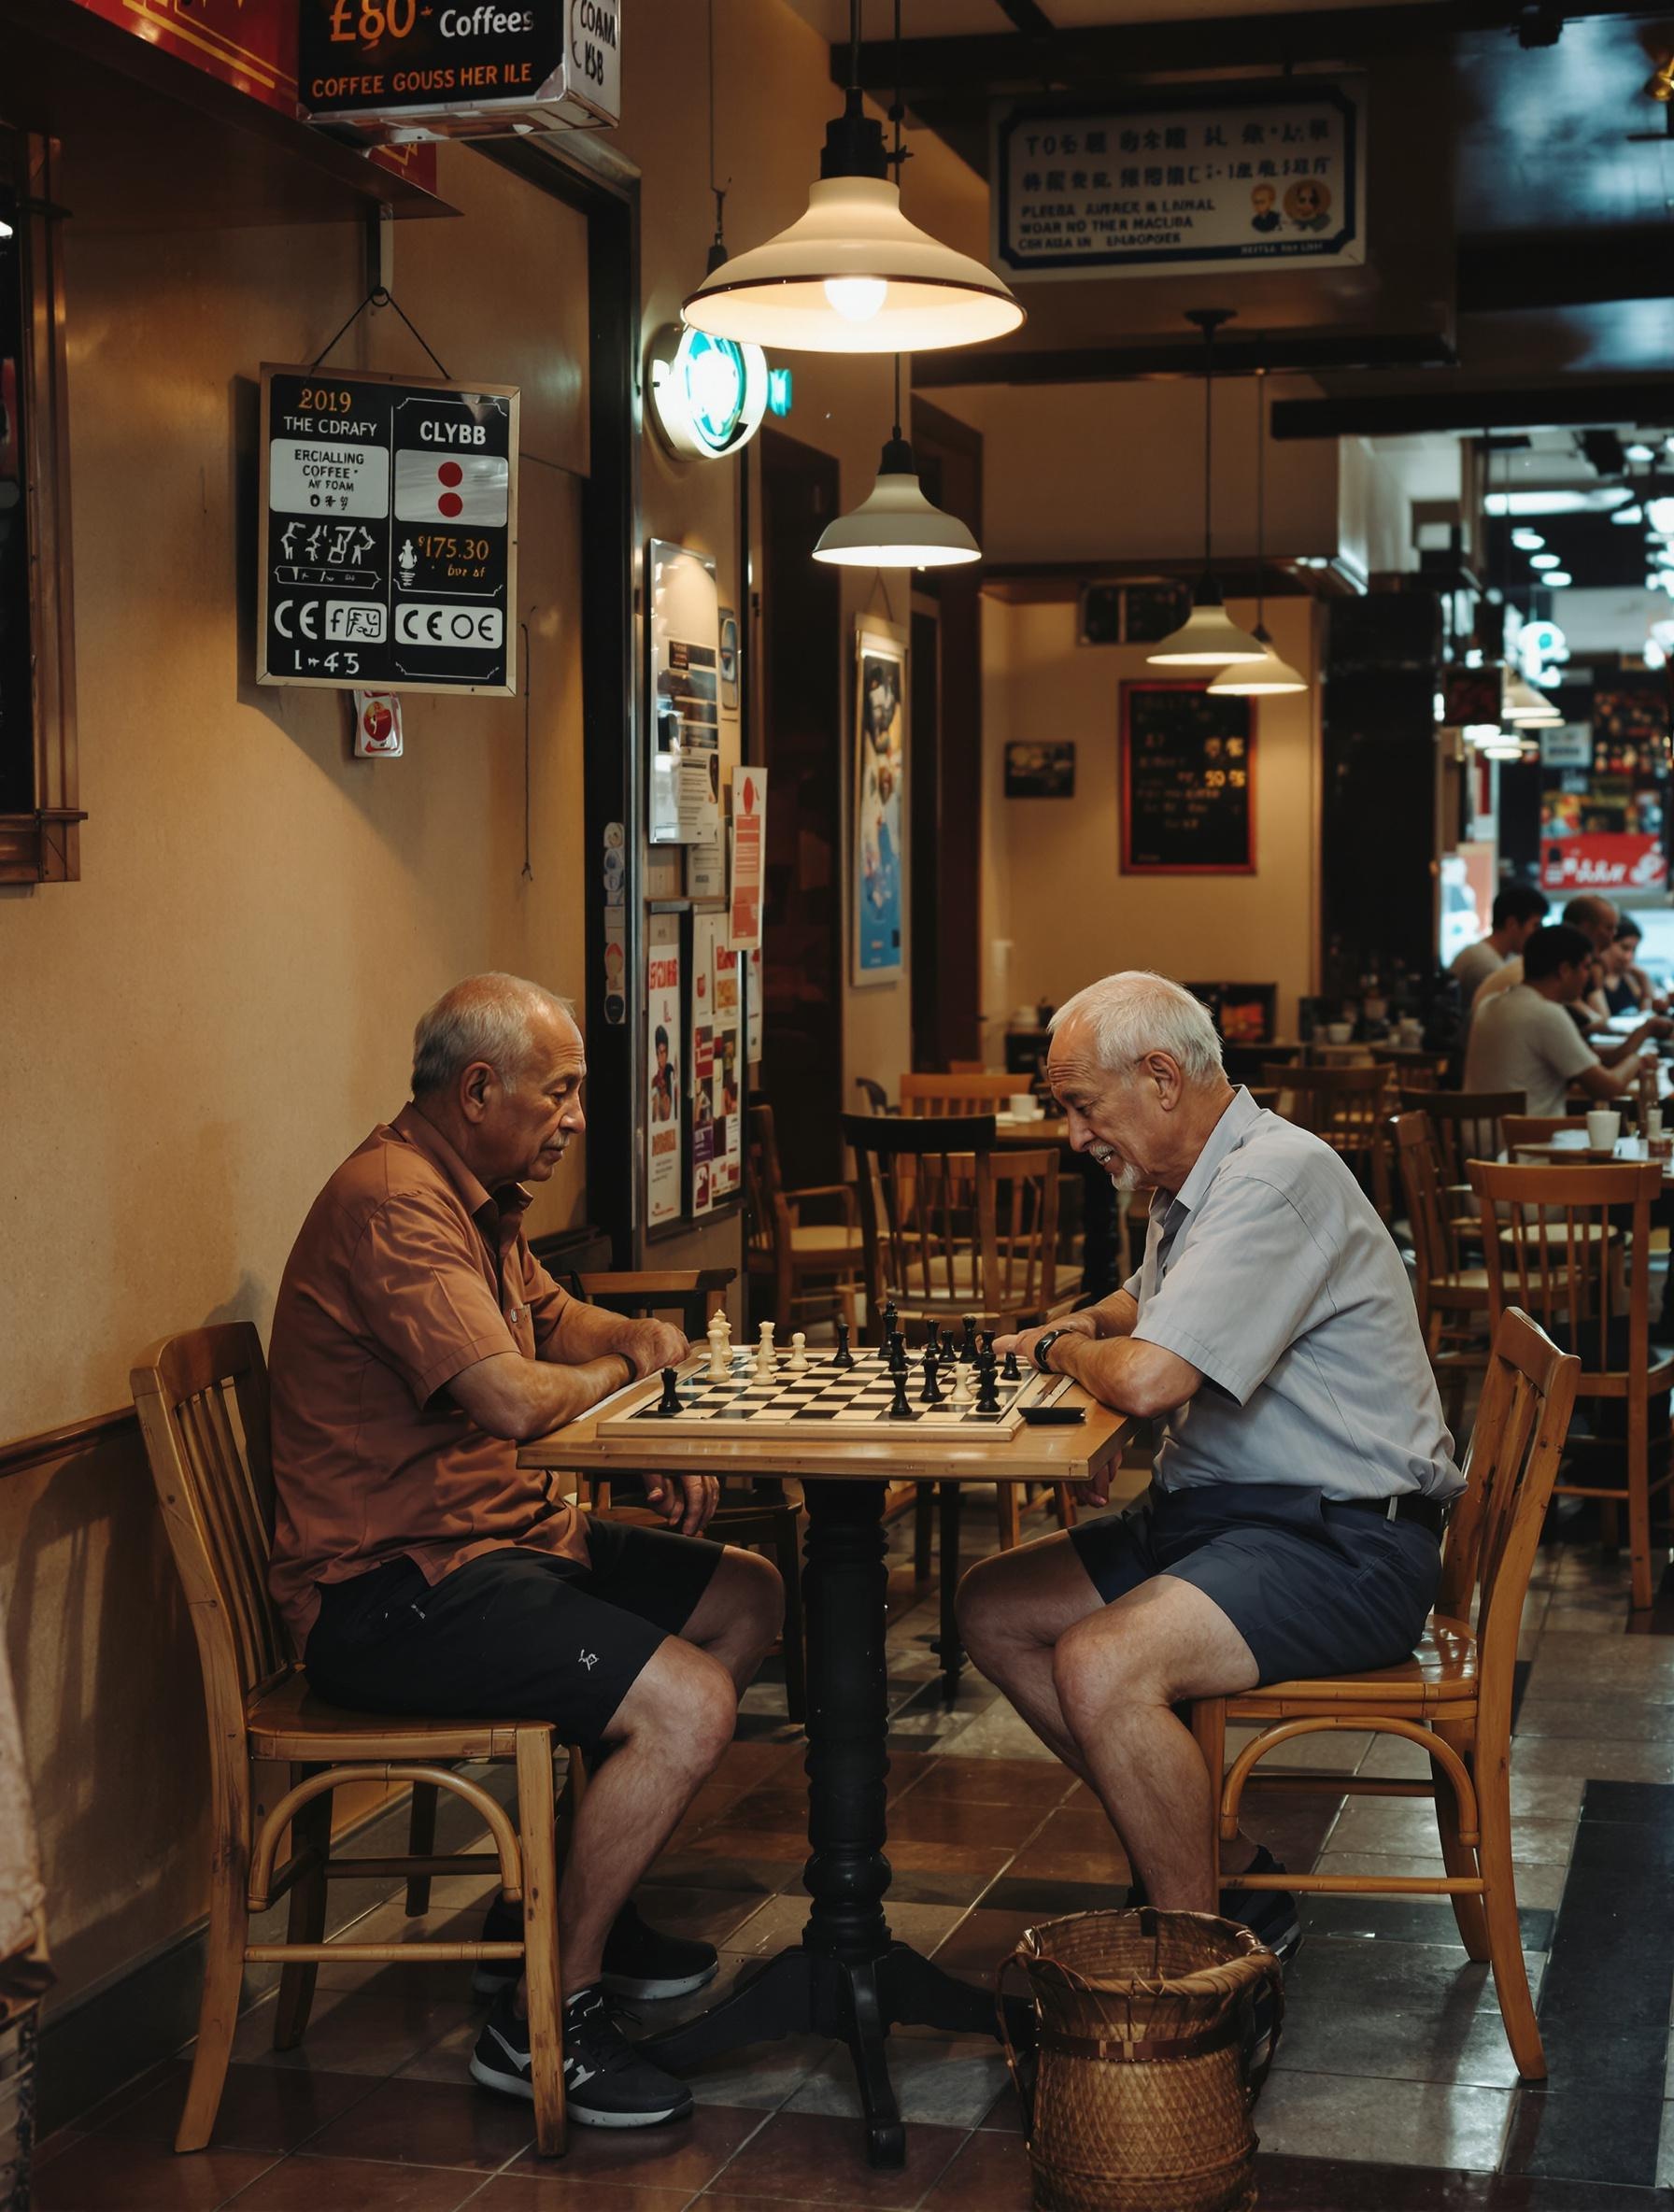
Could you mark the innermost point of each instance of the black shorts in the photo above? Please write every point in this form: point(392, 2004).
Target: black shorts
point(513, 1634)
point(1312, 1587)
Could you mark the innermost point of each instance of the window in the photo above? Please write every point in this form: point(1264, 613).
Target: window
point(38, 814)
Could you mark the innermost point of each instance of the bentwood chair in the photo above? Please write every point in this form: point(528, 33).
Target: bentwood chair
point(958, 1092)
point(1466, 1125)
point(1572, 1246)
point(203, 1404)
point(804, 1266)
point(1452, 1698)
point(1452, 1292)
point(1346, 1108)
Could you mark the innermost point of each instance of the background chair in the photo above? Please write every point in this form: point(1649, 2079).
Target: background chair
point(1572, 1246)
point(1346, 1108)
point(958, 1093)
point(1452, 1292)
point(1465, 1126)
point(876, 1096)
point(803, 1265)
point(203, 1405)
point(1454, 1698)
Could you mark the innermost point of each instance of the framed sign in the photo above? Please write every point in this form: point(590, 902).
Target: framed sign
point(1188, 781)
point(1040, 771)
point(876, 888)
point(664, 1095)
point(388, 556)
point(1218, 176)
point(685, 777)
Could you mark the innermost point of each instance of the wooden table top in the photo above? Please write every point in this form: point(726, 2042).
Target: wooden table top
point(1041, 1134)
point(1629, 1153)
point(1069, 1454)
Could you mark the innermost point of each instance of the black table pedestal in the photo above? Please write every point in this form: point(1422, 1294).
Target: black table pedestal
point(848, 1977)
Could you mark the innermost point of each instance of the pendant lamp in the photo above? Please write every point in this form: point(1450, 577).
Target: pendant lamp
point(1209, 637)
point(853, 275)
point(1270, 675)
point(1527, 709)
point(897, 527)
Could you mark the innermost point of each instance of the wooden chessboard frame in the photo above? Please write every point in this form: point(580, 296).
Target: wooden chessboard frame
point(629, 1418)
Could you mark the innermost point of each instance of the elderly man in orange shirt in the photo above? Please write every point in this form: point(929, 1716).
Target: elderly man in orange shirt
point(417, 1342)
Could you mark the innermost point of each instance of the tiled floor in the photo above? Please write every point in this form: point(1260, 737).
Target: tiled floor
point(1393, 2088)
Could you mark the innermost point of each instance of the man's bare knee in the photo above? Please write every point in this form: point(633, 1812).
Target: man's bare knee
point(757, 1590)
point(1098, 1673)
point(684, 1704)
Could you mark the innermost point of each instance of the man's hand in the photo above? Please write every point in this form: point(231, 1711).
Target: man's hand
point(652, 1345)
point(1024, 1343)
point(686, 1502)
point(1095, 1491)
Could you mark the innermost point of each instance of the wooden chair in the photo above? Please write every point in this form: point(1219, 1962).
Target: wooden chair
point(956, 1093)
point(807, 1264)
point(877, 1098)
point(1454, 1696)
point(1344, 1106)
point(1411, 1066)
point(1465, 1126)
point(1537, 1223)
point(1538, 1128)
point(1452, 1295)
point(201, 1400)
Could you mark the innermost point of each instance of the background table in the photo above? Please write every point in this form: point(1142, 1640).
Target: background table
point(847, 1977)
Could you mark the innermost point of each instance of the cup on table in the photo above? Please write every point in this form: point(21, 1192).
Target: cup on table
point(1024, 1107)
point(1412, 1032)
point(1340, 1032)
point(1604, 1125)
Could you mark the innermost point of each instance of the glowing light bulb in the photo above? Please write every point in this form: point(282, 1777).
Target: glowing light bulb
point(856, 298)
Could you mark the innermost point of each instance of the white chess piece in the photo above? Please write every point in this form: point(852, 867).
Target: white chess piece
point(798, 1363)
point(766, 1358)
point(963, 1394)
point(720, 1359)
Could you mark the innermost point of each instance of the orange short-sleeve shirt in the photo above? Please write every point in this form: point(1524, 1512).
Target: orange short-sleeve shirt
point(406, 1273)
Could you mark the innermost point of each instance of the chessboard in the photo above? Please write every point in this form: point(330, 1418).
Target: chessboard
point(839, 1399)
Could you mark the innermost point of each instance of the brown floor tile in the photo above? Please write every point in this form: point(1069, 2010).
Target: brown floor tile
point(100, 2175)
point(989, 2175)
point(939, 1820)
point(812, 2159)
point(744, 1766)
point(687, 2154)
point(559, 2191)
point(969, 1866)
point(1106, 1870)
point(999, 1781)
point(304, 2184)
point(430, 2123)
point(350, 2033)
point(271, 2109)
point(745, 1841)
point(778, 1806)
point(979, 1941)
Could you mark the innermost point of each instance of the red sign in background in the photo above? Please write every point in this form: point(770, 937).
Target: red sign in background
point(1617, 860)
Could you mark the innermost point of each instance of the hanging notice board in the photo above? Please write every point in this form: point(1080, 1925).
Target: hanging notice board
point(1188, 781)
point(388, 556)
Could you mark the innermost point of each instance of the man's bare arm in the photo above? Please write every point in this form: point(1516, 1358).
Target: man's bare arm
point(1114, 1316)
point(517, 1399)
point(586, 1332)
point(1135, 1378)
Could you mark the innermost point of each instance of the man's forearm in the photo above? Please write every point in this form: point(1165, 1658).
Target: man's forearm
point(1114, 1316)
point(1140, 1379)
point(586, 1332)
point(517, 1399)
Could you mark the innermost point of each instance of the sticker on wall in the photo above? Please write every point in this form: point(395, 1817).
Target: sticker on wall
point(377, 725)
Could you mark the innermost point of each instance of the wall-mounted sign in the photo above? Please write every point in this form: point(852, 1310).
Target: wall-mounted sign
point(390, 533)
point(377, 725)
point(1223, 177)
point(708, 395)
point(1188, 777)
point(686, 759)
point(470, 71)
point(1619, 861)
point(663, 1093)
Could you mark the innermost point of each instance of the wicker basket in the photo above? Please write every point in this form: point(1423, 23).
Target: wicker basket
point(1140, 2103)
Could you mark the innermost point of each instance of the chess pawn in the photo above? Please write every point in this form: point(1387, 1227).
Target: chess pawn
point(766, 1359)
point(844, 1357)
point(720, 1359)
point(798, 1362)
point(963, 1395)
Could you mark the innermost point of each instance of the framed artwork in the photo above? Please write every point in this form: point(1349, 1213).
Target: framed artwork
point(1040, 771)
point(877, 877)
point(1188, 781)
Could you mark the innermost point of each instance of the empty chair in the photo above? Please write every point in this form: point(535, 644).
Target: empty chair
point(958, 1093)
point(806, 1266)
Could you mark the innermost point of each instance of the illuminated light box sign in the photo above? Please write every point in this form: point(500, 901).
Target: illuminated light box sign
point(1228, 178)
point(1620, 861)
point(425, 70)
point(390, 533)
point(708, 394)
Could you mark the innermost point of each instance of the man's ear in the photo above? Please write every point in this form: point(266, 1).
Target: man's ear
point(476, 1087)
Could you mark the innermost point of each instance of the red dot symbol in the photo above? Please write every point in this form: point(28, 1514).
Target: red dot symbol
point(450, 503)
point(451, 473)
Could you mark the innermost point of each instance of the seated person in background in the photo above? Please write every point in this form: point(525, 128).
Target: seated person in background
point(416, 1342)
point(1519, 910)
point(1627, 989)
point(1292, 1522)
point(1523, 1040)
point(1597, 919)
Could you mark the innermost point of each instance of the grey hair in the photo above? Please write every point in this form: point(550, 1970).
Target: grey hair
point(487, 1017)
point(1137, 1011)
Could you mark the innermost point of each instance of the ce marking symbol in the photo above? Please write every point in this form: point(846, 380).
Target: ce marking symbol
point(304, 622)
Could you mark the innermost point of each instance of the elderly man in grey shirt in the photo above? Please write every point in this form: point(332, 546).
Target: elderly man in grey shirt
point(1293, 1522)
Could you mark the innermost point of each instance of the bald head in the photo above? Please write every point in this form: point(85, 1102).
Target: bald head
point(498, 1064)
point(1595, 917)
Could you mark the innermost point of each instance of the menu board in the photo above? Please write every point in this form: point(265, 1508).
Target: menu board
point(390, 533)
point(1188, 781)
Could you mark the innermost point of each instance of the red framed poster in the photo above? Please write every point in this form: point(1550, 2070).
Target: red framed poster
point(1189, 780)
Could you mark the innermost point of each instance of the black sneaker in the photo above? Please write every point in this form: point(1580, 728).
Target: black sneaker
point(641, 1963)
point(1261, 2027)
point(1272, 1914)
point(608, 2081)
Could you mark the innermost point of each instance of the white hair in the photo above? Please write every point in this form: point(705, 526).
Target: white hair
point(487, 1017)
point(1137, 1011)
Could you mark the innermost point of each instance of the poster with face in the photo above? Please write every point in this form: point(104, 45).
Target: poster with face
point(663, 1162)
point(877, 883)
point(715, 1122)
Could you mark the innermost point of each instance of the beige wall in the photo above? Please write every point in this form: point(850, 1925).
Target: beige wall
point(1052, 881)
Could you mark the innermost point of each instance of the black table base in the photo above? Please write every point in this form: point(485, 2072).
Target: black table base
point(848, 1977)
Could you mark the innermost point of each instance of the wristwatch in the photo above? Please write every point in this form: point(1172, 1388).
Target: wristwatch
point(1043, 1346)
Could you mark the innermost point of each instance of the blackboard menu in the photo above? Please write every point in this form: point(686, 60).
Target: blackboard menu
point(390, 533)
point(1188, 779)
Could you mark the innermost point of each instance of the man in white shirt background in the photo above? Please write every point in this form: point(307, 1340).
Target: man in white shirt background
point(1523, 1040)
point(1519, 910)
point(1594, 917)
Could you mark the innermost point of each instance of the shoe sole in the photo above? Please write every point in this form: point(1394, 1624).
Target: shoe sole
point(485, 1983)
point(585, 2116)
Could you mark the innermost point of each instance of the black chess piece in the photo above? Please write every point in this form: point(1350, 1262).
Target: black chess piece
point(987, 1386)
point(931, 1393)
point(932, 1344)
point(899, 1406)
point(895, 1352)
point(988, 1336)
point(968, 1350)
point(844, 1357)
point(670, 1402)
point(890, 1318)
point(1011, 1370)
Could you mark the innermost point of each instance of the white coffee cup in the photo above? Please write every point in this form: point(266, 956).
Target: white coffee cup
point(1340, 1032)
point(1024, 1107)
point(1604, 1125)
point(1411, 1032)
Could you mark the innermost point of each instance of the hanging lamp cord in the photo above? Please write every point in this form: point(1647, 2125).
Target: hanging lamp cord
point(718, 191)
point(1208, 436)
point(1260, 499)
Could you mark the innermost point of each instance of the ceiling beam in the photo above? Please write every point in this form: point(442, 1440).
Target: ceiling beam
point(1279, 351)
point(1404, 414)
point(1578, 269)
point(1091, 61)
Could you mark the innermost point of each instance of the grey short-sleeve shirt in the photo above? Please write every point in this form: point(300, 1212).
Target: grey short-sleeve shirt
point(1522, 1040)
point(1271, 1273)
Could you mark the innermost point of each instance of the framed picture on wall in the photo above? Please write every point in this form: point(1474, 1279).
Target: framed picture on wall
point(1040, 771)
point(1188, 781)
point(877, 886)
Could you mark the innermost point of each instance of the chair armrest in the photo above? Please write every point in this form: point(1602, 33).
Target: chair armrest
point(653, 1281)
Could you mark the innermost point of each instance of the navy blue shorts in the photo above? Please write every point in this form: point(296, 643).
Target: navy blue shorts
point(1312, 1587)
